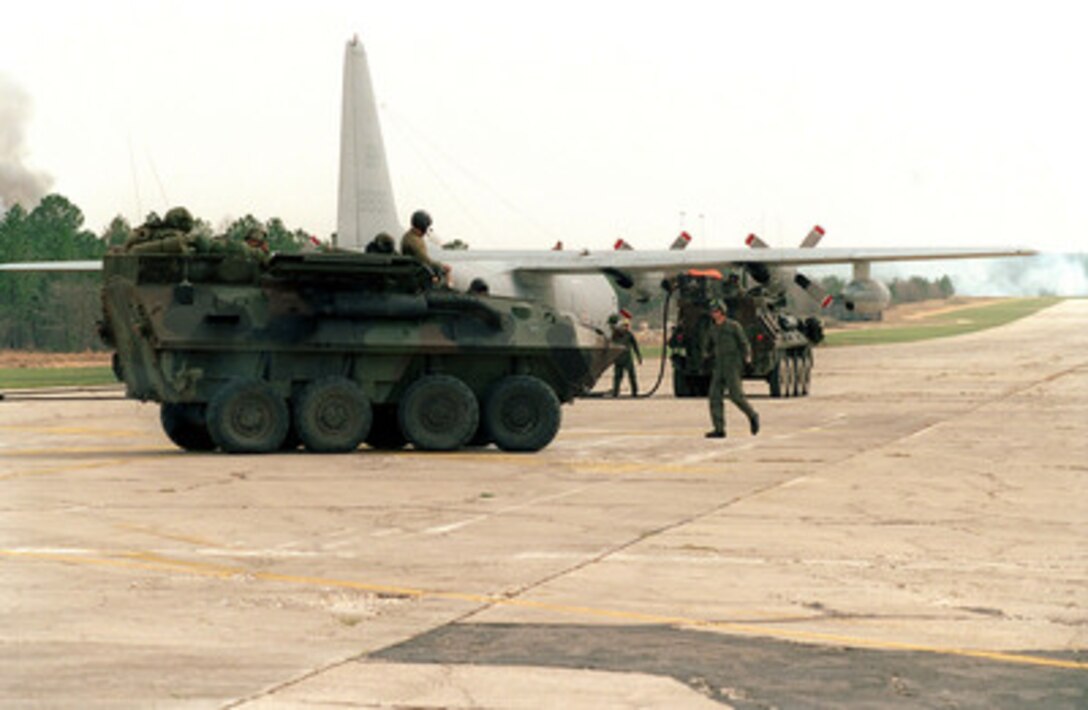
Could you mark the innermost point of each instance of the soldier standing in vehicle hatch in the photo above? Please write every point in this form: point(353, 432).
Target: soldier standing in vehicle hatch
point(731, 352)
point(413, 243)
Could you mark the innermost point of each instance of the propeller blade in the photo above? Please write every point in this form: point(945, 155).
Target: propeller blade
point(681, 242)
point(755, 242)
point(813, 238)
point(813, 289)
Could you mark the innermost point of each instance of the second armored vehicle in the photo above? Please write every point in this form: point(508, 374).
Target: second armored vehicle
point(330, 350)
point(781, 343)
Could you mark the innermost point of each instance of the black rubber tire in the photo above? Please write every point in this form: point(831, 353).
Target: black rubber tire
point(185, 424)
point(247, 417)
point(332, 415)
point(438, 413)
point(680, 386)
point(806, 368)
point(775, 378)
point(385, 433)
point(522, 413)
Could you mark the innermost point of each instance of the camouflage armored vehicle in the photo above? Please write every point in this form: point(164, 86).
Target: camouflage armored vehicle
point(781, 343)
point(330, 350)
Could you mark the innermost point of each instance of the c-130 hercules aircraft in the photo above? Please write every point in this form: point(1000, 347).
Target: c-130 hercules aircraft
point(577, 282)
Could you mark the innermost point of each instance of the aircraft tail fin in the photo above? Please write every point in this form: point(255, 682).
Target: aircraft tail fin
point(365, 206)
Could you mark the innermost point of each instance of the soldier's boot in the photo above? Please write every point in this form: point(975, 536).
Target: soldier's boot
point(715, 434)
point(753, 422)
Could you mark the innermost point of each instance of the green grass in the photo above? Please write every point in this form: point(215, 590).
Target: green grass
point(939, 325)
point(942, 325)
point(31, 377)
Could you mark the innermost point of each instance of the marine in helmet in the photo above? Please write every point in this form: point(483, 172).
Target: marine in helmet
point(413, 243)
point(382, 243)
point(479, 287)
point(731, 351)
point(622, 335)
point(167, 235)
point(256, 241)
point(178, 218)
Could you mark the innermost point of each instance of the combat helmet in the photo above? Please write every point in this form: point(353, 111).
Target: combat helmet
point(421, 221)
point(178, 218)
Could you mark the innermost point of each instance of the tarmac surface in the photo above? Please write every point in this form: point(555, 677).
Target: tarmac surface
point(913, 534)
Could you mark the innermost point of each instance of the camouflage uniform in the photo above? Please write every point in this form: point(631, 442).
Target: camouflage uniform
point(413, 244)
point(625, 363)
point(731, 350)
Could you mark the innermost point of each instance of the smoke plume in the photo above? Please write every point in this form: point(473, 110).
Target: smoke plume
point(18, 184)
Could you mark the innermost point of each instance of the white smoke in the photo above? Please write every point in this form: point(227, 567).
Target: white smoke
point(1040, 275)
point(18, 184)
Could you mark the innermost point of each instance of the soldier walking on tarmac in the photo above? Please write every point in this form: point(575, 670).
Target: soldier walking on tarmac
point(731, 352)
point(622, 335)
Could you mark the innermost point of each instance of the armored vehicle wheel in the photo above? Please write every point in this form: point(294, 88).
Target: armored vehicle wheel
point(797, 374)
point(247, 417)
point(680, 386)
point(385, 430)
point(806, 369)
point(789, 381)
point(774, 380)
point(779, 377)
point(184, 423)
point(332, 415)
point(522, 413)
point(438, 413)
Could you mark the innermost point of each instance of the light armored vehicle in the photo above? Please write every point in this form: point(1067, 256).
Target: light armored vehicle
point(781, 343)
point(330, 350)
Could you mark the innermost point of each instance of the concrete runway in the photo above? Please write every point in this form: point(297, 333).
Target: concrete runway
point(913, 534)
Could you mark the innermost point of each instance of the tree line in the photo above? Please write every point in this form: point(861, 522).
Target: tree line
point(59, 312)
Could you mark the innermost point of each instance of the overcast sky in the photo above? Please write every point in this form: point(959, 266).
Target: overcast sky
point(516, 124)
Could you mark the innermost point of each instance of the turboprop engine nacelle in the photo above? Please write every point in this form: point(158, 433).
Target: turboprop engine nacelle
point(864, 296)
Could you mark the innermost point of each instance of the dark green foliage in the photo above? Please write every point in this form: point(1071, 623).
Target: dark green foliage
point(43, 311)
point(917, 288)
point(833, 285)
point(55, 311)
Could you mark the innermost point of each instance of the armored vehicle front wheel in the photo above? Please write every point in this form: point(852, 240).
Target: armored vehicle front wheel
point(185, 424)
point(247, 417)
point(332, 415)
point(522, 413)
point(777, 377)
point(438, 413)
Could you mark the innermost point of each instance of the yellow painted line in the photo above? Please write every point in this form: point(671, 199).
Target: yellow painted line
point(155, 532)
point(151, 561)
point(80, 450)
point(79, 431)
point(60, 469)
point(656, 433)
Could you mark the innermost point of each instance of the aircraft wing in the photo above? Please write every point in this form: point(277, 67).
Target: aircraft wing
point(630, 261)
point(52, 266)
